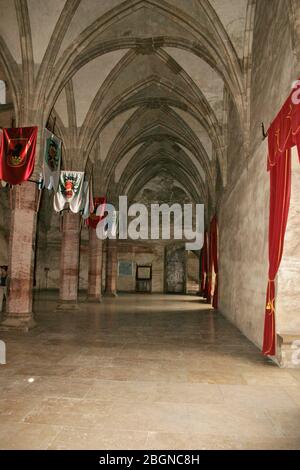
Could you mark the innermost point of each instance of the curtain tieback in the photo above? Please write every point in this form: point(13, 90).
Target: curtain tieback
point(270, 307)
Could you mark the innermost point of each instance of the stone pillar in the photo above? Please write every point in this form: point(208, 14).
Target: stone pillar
point(24, 206)
point(95, 267)
point(288, 350)
point(69, 260)
point(111, 268)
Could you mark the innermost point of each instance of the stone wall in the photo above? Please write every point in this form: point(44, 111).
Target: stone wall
point(192, 273)
point(243, 260)
point(142, 254)
point(243, 208)
point(273, 65)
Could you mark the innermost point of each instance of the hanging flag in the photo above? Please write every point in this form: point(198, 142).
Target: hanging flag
point(85, 208)
point(52, 160)
point(17, 154)
point(93, 219)
point(91, 206)
point(88, 206)
point(70, 191)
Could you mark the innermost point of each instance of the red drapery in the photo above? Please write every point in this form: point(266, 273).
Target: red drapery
point(17, 154)
point(210, 270)
point(93, 219)
point(283, 134)
point(207, 288)
point(204, 259)
point(212, 263)
point(214, 257)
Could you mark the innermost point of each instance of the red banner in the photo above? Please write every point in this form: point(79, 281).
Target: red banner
point(283, 134)
point(204, 263)
point(212, 264)
point(93, 219)
point(214, 256)
point(208, 281)
point(17, 154)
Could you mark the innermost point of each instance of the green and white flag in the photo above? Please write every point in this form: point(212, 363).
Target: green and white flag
point(52, 160)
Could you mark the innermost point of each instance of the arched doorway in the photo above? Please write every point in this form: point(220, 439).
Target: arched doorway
point(175, 269)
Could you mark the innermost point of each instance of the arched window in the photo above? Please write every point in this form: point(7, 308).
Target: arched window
point(2, 92)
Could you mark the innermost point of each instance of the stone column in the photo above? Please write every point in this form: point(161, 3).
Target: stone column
point(111, 268)
point(24, 206)
point(95, 267)
point(69, 261)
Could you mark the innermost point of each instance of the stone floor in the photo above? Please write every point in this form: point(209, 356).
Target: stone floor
point(143, 372)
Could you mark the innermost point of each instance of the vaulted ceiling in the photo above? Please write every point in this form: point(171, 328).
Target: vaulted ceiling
point(137, 87)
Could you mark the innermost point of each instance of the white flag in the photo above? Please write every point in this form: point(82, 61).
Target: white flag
point(70, 191)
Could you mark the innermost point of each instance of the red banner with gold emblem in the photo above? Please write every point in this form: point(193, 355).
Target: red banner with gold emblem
point(17, 154)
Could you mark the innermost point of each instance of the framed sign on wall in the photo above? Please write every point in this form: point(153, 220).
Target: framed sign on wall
point(125, 268)
point(144, 272)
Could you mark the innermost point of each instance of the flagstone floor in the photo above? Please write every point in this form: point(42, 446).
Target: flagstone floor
point(142, 372)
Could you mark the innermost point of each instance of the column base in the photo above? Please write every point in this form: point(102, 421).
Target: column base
point(67, 305)
point(96, 299)
point(110, 294)
point(288, 350)
point(18, 323)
